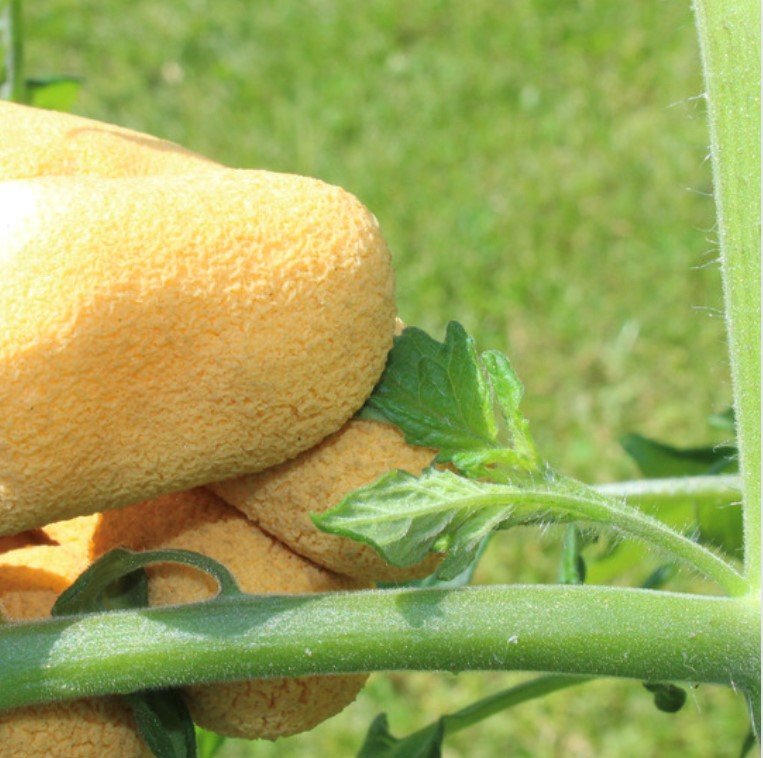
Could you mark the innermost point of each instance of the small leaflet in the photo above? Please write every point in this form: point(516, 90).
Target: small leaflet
point(379, 743)
point(54, 92)
point(656, 459)
point(164, 722)
point(446, 396)
point(404, 517)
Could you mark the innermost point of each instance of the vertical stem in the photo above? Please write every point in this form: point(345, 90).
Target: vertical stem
point(12, 86)
point(729, 35)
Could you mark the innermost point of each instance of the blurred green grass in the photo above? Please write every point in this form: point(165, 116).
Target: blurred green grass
point(539, 170)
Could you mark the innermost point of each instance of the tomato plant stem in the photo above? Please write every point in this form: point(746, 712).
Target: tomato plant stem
point(729, 35)
point(579, 630)
point(588, 506)
point(718, 490)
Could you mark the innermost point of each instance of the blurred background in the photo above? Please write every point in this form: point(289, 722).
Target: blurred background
point(539, 169)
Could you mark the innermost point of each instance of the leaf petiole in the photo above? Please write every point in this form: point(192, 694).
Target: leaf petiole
point(404, 518)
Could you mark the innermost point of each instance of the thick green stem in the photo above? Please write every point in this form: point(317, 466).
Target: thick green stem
point(12, 86)
point(729, 35)
point(595, 631)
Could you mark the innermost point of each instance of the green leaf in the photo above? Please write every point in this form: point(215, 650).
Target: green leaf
point(433, 581)
point(656, 459)
point(722, 527)
point(379, 743)
point(660, 576)
point(164, 723)
point(748, 744)
point(117, 581)
point(465, 405)
point(57, 93)
point(208, 744)
point(404, 517)
point(668, 698)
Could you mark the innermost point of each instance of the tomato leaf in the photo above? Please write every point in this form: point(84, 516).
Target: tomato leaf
point(722, 527)
point(208, 744)
point(433, 581)
point(56, 93)
point(446, 396)
point(660, 576)
point(656, 459)
point(748, 744)
point(164, 723)
point(379, 743)
point(404, 517)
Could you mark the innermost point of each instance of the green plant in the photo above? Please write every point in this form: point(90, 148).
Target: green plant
point(459, 629)
point(57, 92)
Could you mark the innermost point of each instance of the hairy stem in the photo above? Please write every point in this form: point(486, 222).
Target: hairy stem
point(593, 631)
point(440, 504)
point(715, 490)
point(633, 522)
point(729, 35)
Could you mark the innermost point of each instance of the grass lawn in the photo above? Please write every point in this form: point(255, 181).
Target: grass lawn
point(539, 170)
